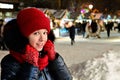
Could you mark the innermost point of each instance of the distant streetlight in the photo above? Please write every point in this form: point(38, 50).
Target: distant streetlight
point(90, 6)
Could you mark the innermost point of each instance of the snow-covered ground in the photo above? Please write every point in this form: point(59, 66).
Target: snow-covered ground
point(92, 59)
point(104, 67)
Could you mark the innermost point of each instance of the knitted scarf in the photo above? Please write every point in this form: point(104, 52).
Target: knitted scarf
point(42, 62)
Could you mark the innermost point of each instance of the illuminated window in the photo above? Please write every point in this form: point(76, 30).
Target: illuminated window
point(6, 6)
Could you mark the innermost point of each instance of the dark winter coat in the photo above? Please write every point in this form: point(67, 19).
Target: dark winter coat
point(13, 70)
point(94, 27)
point(72, 32)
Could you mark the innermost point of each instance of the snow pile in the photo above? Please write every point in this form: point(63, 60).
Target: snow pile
point(105, 67)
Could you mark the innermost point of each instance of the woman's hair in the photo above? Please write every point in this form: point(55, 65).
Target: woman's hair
point(13, 38)
point(51, 36)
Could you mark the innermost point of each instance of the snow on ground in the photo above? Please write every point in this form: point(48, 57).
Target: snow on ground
point(104, 67)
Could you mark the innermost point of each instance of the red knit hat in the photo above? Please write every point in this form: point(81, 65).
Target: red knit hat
point(32, 19)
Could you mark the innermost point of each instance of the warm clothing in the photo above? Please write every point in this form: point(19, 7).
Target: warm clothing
point(72, 32)
point(32, 56)
point(13, 70)
point(94, 27)
point(25, 61)
point(32, 19)
point(109, 28)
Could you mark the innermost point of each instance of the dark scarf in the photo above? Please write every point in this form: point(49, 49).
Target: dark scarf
point(42, 62)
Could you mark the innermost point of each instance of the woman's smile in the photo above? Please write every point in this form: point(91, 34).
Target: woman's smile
point(38, 39)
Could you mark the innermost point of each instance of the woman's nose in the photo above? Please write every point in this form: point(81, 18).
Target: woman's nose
point(41, 38)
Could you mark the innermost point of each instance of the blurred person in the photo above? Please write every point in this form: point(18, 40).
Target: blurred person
point(109, 26)
point(93, 29)
point(94, 26)
point(78, 27)
point(83, 27)
point(71, 29)
point(2, 45)
point(119, 27)
point(32, 55)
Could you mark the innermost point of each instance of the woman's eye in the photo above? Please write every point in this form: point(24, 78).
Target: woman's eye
point(44, 32)
point(36, 33)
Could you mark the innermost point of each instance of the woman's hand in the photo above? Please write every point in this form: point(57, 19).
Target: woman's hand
point(50, 50)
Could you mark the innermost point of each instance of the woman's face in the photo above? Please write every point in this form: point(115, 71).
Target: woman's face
point(38, 38)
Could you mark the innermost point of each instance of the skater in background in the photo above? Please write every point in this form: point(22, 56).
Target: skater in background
point(71, 28)
point(109, 26)
point(83, 27)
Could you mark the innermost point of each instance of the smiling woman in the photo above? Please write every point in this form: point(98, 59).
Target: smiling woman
point(31, 54)
point(38, 38)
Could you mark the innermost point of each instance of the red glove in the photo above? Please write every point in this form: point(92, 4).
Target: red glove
point(31, 55)
point(49, 49)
